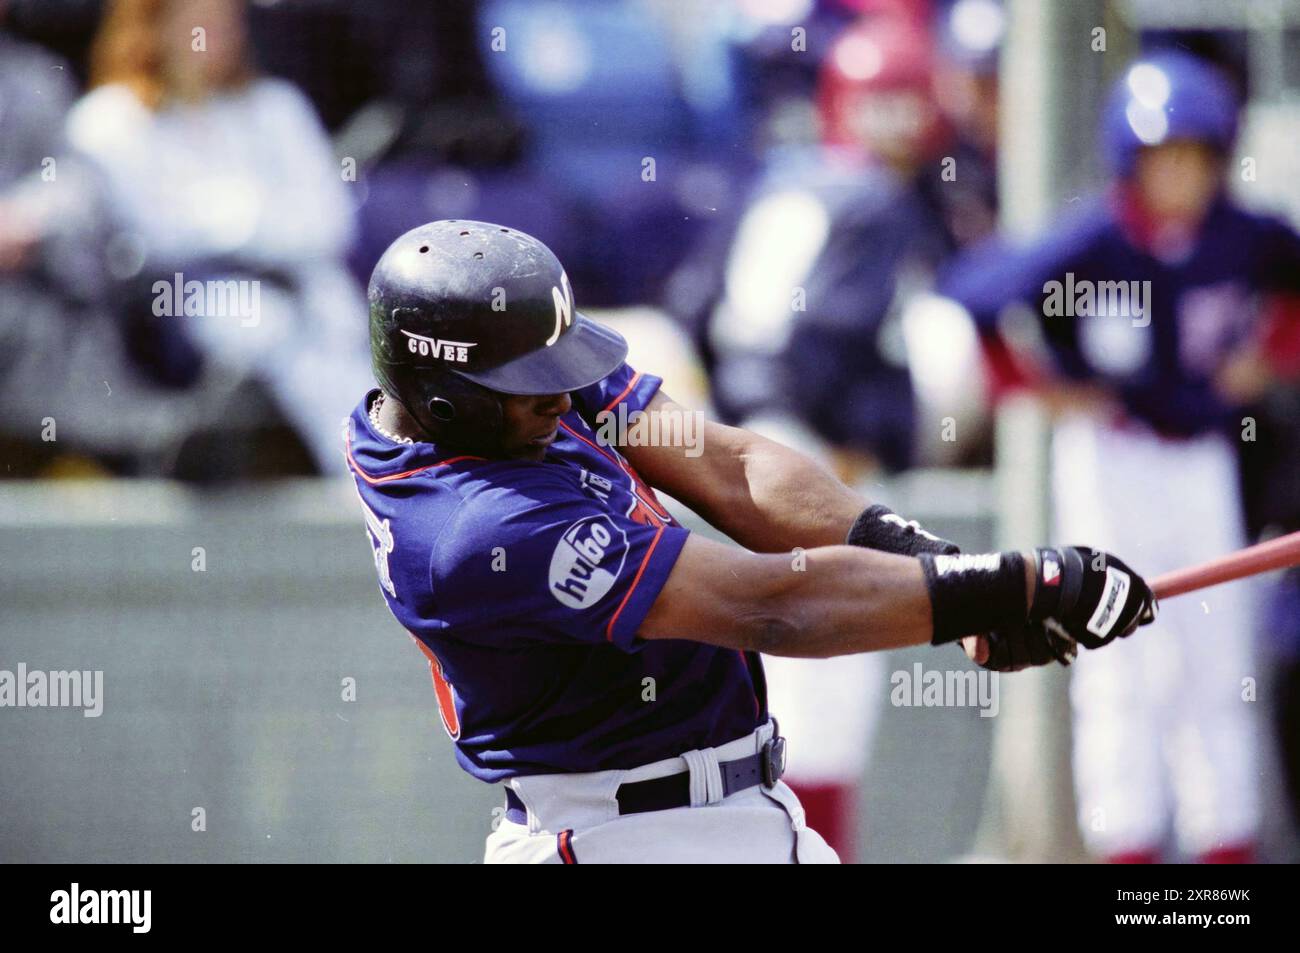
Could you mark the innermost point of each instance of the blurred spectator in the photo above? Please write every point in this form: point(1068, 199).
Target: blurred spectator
point(970, 34)
point(67, 391)
point(1147, 303)
point(231, 213)
point(797, 305)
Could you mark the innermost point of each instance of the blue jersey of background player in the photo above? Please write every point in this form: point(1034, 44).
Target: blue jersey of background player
point(525, 585)
point(1150, 289)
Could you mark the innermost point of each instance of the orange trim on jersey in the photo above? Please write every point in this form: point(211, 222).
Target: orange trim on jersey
point(609, 629)
point(375, 480)
point(648, 498)
point(626, 390)
point(442, 691)
point(564, 845)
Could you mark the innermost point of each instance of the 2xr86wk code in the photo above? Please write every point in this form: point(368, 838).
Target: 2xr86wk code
point(1202, 894)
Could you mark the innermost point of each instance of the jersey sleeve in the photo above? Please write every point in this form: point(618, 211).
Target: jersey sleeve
point(543, 556)
point(999, 272)
point(625, 386)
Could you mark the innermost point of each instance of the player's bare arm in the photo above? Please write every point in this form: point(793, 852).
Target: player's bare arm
point(845, 599)
point(763, 495)
point(837, 600)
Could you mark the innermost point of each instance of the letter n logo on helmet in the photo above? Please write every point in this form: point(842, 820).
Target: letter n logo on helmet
point(563, 307)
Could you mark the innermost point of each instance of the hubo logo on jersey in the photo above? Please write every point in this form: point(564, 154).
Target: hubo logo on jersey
point(455, 351)
point(563, 298)
point(587, 561)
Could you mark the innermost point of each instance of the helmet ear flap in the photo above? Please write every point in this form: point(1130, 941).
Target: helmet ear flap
point(457, 412)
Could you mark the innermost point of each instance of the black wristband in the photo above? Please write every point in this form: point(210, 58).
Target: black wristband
point(974, 594)
point(880, 528)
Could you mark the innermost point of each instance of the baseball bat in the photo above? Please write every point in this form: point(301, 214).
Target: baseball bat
point(1279, 553)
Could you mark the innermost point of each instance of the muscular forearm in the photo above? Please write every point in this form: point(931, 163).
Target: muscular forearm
point(849, 600)
point(845, 600)
point(828, 600)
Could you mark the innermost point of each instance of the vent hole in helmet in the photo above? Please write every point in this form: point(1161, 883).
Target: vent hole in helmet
point(464, 233)
point(423, 249)
point(478, 254)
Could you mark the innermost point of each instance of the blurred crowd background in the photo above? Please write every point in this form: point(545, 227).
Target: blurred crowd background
point(293, 140)
point(765, 178)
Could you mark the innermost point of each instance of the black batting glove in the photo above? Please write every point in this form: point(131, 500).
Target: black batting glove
point(1011, 649)
point(1088, 596)
point(1027, 646)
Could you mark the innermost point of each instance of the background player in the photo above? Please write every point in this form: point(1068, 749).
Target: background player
point(1143, 454)
point(585, 649)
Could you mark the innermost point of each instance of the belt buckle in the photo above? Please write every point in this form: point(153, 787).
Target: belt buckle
point(772, 758)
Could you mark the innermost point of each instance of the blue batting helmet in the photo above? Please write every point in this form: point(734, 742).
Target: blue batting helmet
point(1164, 96)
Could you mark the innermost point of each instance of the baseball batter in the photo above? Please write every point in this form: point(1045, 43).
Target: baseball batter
point(588, 653)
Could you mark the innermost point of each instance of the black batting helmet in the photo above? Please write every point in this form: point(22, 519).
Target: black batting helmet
point(461, 312)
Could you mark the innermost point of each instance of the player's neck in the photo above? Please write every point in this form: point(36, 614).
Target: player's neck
point(394, 419)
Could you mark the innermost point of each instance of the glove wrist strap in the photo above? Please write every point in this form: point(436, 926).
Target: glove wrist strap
point(1058, 574)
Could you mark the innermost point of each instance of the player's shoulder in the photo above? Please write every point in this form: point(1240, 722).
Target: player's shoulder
point(496, 489)
point(504, 503)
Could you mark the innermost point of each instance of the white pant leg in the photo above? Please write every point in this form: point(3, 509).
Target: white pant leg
point(1214, 738)
point(1120, 782)
point(1160, 726)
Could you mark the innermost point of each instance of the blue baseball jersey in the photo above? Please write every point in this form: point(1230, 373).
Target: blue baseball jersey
point(524, 583)
point(1198, 303)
